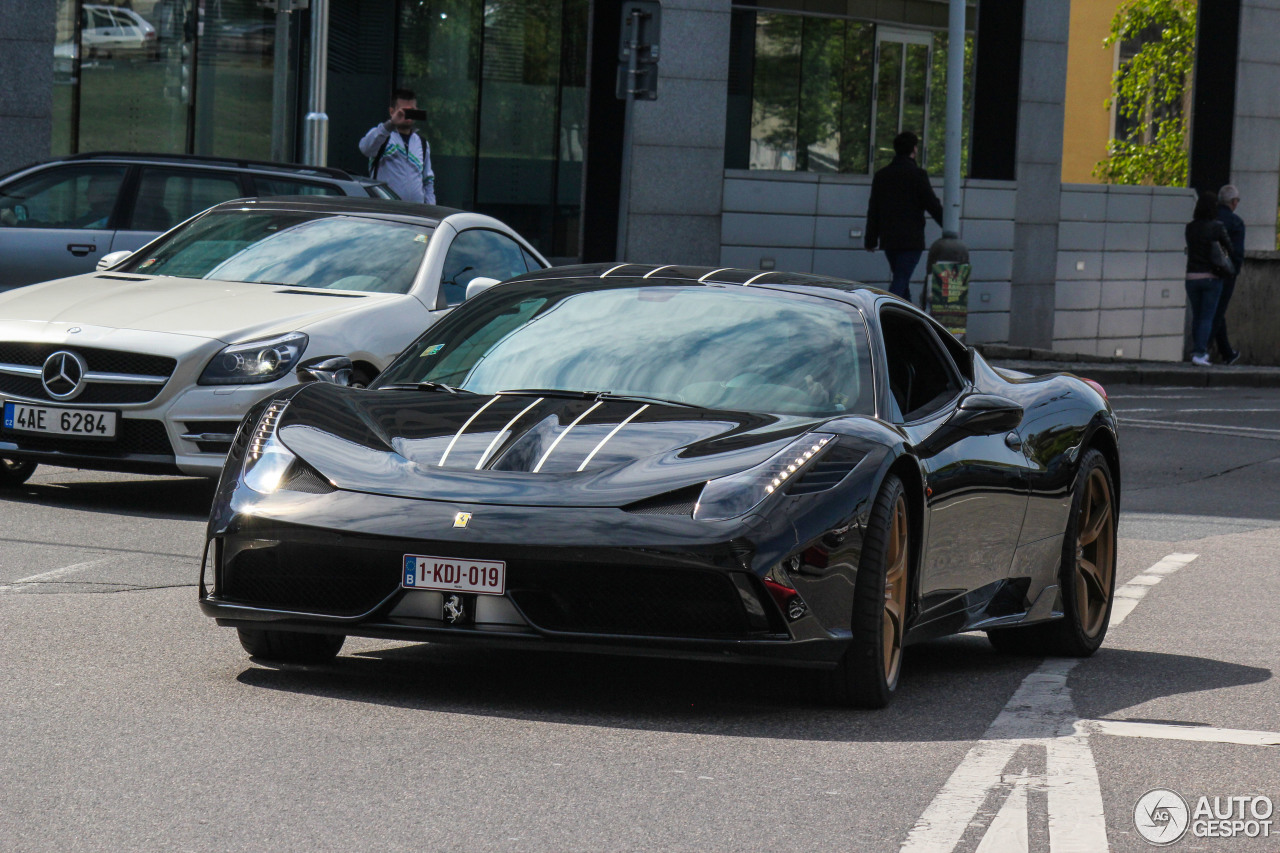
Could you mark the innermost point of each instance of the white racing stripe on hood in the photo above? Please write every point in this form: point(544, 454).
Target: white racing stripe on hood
point(560, 437)
point(459, 433)
point(484, 457)
point(612, 433)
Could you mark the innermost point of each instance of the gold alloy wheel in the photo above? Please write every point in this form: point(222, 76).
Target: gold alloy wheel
point(895, 591)
point(1095, 553)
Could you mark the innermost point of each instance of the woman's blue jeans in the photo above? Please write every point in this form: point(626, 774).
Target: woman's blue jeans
point(1202, 296)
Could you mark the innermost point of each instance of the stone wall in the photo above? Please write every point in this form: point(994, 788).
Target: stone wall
point(26, 81)
point(1118, 256)
point(1120, 271)
point(1253, 317)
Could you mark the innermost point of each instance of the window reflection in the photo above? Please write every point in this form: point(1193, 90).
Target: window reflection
point(132, 64)
point(827, 94)
point(234, 75)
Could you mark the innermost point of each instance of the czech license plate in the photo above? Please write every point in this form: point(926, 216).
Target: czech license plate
point(49, 420)
point(452, 574)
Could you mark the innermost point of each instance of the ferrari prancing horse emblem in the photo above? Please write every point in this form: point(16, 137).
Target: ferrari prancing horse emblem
point(462, 519)
point(454, 610)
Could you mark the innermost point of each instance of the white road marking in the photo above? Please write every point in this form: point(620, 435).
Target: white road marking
point(1040, 713)
point(1128, 596)
point(1214, 411)
point(1008, 832)
point(55, 574)
point(1173, 731)
point(1208, 429)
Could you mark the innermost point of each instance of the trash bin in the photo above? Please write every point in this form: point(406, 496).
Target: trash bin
point(946, 294)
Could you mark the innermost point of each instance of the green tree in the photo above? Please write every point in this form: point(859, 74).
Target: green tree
point(1151, 92)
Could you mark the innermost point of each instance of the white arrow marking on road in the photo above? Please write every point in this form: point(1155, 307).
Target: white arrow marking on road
point(1040, 713)
point(56, 574)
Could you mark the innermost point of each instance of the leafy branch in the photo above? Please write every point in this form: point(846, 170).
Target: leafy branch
point(1151, 92)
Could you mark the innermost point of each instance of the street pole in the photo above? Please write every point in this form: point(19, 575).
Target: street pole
point(281, 74)
point(955, 116)
point(624, 191)
point(316, 143)
point(946, 291)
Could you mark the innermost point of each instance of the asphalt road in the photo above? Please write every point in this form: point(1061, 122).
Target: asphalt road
point(128, 721)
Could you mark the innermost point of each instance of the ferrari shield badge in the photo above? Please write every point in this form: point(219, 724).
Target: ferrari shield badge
point(462, 519)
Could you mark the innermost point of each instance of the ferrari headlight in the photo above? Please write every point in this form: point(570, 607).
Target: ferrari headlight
point(738, 494)
point(266, 459)
point(264, 360)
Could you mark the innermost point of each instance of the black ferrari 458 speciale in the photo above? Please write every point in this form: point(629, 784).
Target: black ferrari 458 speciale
point(675, 461)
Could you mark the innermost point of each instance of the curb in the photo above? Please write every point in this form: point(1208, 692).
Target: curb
point(1153, 373)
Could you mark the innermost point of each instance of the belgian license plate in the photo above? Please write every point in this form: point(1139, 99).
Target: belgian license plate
point(50, 420)
point(452, 574)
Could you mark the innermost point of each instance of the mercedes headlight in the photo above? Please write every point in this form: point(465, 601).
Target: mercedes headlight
point(266, 459)
point(263, 360)
point(738, 494)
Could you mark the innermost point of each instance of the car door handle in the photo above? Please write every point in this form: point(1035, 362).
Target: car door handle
point(80, 249)
point(1013, 441)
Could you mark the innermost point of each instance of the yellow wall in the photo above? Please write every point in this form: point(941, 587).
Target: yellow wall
point(1087, 126)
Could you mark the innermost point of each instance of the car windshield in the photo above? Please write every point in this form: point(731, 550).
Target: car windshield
point(723, 348)
point(333, 252)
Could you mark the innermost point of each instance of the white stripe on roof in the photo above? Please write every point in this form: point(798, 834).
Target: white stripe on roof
point(658, 269)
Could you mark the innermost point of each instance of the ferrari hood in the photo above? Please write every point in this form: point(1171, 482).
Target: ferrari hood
point(522, 449)
point(221, 310)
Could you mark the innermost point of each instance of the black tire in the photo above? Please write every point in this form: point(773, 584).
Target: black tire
point(868, 674)
point(290, 646)
point(1086, 574)
point(15, 472)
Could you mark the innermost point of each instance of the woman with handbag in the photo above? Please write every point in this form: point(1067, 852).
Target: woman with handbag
point(1208, 262)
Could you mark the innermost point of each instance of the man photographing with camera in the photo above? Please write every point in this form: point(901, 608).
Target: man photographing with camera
point(398, 154)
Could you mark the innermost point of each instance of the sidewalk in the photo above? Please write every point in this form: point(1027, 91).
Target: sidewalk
point(1130, 371)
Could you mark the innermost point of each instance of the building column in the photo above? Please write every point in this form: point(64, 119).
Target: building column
point(1041, 100)
point(1255, 150)
point(27, 32)
point(677, 161)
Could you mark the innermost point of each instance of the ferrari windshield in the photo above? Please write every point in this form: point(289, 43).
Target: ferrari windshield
point(723, 348)
point(293, 248)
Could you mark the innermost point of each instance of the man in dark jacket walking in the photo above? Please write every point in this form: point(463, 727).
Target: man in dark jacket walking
point(1228, 201)
point(900, 197)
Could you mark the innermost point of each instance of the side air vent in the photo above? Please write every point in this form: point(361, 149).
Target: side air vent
point(827, 472)
point(304, 478)
point(678, 502)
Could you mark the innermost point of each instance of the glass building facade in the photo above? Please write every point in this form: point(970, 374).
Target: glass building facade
point(819, 88)
point(503, 83)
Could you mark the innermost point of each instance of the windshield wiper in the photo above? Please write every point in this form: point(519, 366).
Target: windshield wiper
point(641, 398)
point(597, 395)
point(425, 386)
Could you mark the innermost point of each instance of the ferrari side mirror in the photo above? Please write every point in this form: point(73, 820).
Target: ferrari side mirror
point(977, 414)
